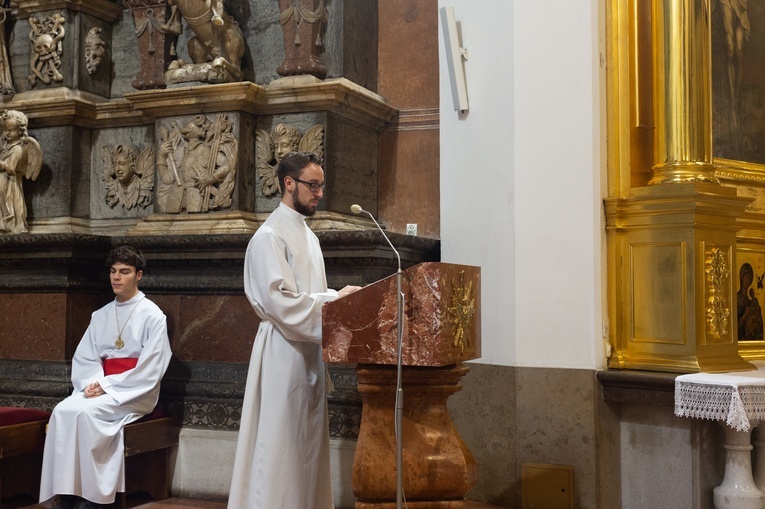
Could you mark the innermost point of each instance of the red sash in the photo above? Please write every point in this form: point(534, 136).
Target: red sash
point(119, 365)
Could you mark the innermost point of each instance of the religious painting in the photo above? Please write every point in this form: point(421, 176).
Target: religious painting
point(738, 85)
point(749, 294)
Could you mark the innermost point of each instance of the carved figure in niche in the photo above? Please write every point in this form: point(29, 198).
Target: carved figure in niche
point(301, 29)
point(95, 50)
point(196, 166)
point(6, 83)
point(749, 312)
point(20, 156)
point(217, 47)
point(46, 39)
point(129, 175)
point(270, 148)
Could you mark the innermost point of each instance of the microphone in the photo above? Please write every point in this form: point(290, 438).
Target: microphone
point(399, 410)
point(356, 209)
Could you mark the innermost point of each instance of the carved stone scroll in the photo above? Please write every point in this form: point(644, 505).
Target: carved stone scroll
point(272, 147)
point(302, 24)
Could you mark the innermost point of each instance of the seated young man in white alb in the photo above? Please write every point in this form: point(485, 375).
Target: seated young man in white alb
point(116, 373)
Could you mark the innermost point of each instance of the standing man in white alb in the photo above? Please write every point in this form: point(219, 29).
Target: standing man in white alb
point(282, 457)
point(116, 372)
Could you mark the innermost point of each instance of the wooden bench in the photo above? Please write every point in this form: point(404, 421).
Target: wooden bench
point(22, 439)
point(148, 443)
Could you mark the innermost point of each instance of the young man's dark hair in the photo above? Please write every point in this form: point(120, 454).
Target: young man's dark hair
point(292, 165)
point(127, 255)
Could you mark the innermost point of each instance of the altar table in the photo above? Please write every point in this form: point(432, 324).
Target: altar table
point(737, 402)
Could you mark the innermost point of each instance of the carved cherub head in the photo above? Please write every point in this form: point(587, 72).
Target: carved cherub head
point(286, 139)
point(124, 163)
point(14, 125)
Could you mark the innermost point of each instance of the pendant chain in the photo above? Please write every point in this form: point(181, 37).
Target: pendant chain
point(120, 343)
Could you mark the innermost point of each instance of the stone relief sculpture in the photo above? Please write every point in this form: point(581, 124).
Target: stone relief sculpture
point(196, 165)
point(20, 157)
point(271, 147)
point(6, 82)
point(302, 24)
point(217, 47)
point(129, 175)
point(95, 50)
point(46, 39)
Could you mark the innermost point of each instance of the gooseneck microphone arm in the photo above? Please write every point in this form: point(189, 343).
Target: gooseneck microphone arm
point(356, 209)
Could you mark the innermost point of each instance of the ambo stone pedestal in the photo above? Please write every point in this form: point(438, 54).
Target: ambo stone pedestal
point(441, 330)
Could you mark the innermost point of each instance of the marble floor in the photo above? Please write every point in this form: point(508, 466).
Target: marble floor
point(178, 503)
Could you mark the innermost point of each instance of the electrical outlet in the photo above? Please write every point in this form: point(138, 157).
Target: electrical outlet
point(411, 229)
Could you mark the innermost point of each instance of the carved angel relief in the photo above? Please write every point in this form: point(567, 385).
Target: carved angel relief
point(129, 175)
point(196, 165)
point(20, 156)
point(95, 50)
point(272, 147)
point(46, 39)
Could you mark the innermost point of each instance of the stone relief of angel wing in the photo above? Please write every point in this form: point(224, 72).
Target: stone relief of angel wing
point(107, 175)
point(34, 158)
point(145, 171)
point(313, 141)
point(264, 154)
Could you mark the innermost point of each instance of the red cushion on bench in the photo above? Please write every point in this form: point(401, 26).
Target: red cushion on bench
point(10, 415)
point(157, 413)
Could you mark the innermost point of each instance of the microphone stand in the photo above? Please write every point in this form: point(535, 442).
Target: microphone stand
point(399, 410)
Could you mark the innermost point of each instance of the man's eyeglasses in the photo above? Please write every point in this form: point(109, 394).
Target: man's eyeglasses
point(313, 186)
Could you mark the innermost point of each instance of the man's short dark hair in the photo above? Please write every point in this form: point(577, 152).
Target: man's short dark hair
point(292, 165)
point(127, 255)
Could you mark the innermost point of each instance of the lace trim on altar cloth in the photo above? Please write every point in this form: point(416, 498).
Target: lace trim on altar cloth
point(736, 406)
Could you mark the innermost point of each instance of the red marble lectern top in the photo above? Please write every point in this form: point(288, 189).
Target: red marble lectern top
point(442, 319)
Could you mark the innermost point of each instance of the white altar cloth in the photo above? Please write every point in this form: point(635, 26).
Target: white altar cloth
point(737, 399)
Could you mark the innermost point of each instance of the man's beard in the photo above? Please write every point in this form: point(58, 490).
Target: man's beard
point(303, 208)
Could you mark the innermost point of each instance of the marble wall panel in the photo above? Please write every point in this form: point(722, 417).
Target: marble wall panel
point(408, 53)
point(484, 414)
point(17, 30)
point(59, 191)
point(409, 180)
point(556, 412)
point(44, 326)
point(125, 62)
point(216, 328)
point(351, 165)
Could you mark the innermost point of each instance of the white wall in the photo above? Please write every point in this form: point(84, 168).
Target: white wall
point(521, 178)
